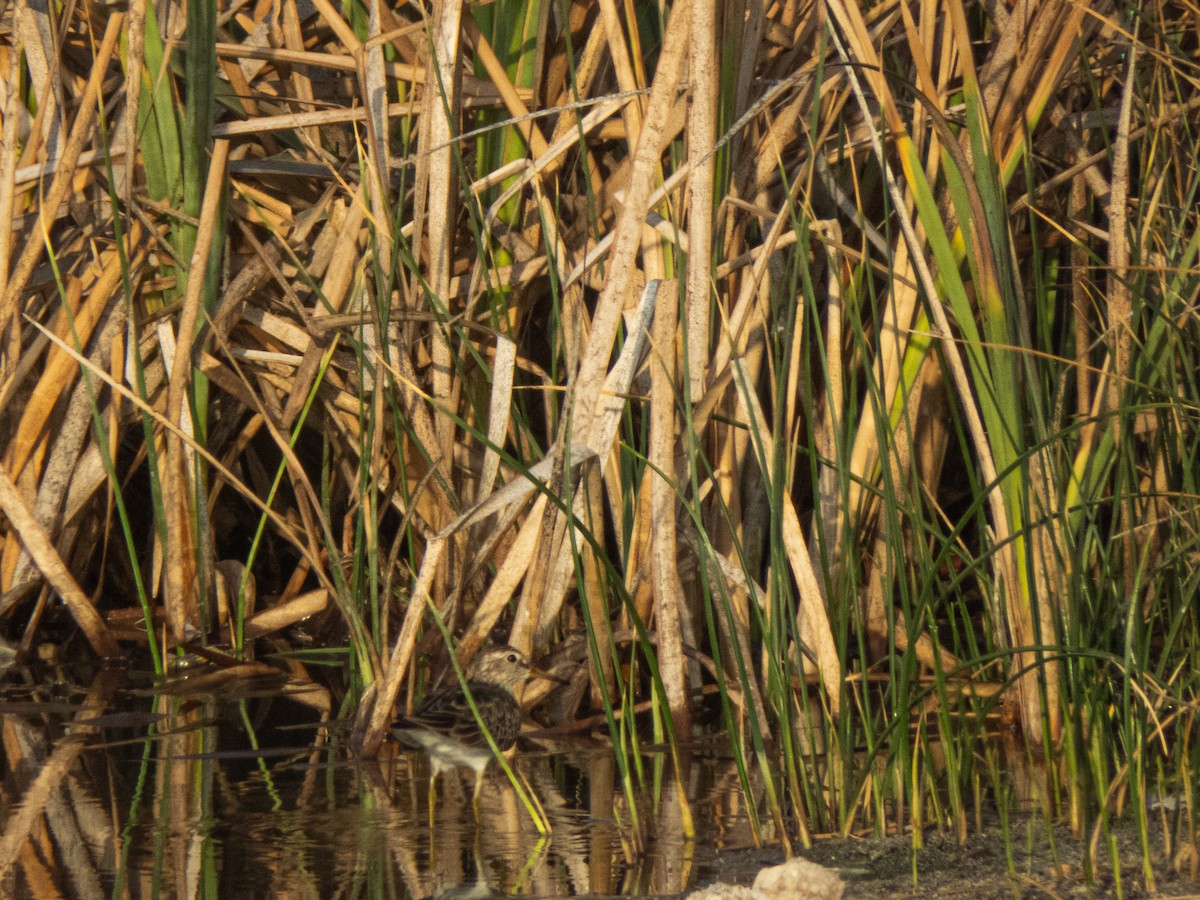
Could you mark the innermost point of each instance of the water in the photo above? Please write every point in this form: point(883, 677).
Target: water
point(233, 786)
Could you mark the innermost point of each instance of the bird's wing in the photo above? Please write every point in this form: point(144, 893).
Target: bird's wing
point(447, 712)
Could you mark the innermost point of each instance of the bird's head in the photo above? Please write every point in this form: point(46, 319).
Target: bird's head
point(505, 667)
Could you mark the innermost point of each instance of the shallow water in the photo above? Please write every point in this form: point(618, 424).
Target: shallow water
point(233, 787)
point(232, 784)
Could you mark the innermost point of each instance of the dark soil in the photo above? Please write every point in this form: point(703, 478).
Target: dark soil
point(1044, 864)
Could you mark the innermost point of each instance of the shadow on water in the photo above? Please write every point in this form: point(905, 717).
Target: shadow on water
point(238, 787)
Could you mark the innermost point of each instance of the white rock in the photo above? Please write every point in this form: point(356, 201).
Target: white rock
point(799, 879)
point(721, 891)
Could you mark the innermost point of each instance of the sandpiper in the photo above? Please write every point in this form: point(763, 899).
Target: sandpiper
point(445, 727)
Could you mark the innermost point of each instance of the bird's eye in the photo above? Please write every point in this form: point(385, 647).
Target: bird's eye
point(512, 658)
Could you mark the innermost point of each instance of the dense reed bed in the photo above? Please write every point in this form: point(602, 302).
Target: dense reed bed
point(817, 375)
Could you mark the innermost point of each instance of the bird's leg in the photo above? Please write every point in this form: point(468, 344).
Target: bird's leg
point(478, 788)
point(432, 797)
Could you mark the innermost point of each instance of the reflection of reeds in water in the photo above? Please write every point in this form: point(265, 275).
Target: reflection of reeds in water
point(494, 844)
point(175, 811)
point(182, 793)
point(143, 814)
point(57, 838)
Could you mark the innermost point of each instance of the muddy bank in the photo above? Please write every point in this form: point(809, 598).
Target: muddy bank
point(1045, 863)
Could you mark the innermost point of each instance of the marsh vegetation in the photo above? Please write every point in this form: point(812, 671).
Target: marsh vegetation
point(818, 381)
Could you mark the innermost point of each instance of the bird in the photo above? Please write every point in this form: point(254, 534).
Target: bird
point(447, 729)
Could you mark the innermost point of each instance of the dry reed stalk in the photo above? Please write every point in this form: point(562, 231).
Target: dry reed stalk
point(33, 430)
point(61, 186)
point(627, 238)
point(9, 151)
point(40, 547)
point(701, 141)
point(283, 527)
point(670, 608)
point(181, 579)
point(1120, 305)
point(829, 517)
point(436, 205)
point(65, 482)
point(75, 323)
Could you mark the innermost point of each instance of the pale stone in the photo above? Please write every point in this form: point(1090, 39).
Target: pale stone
point(721, 891)
point(799, 879)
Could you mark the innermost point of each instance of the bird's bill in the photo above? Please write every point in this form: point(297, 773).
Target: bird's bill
point(535, 672)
